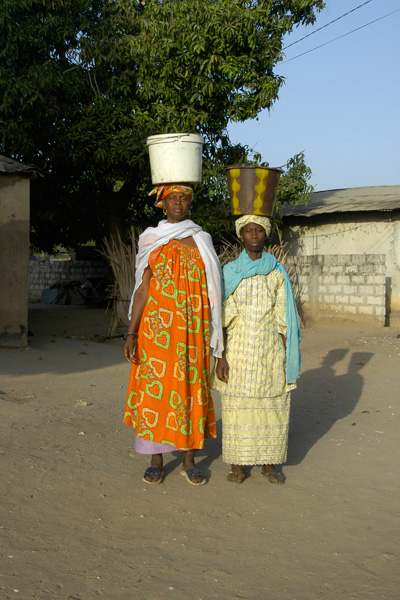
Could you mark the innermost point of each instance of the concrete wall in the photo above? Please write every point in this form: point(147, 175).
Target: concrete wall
point(347, 285)
point(14, 259)
point(42, 274)
point(347, 234)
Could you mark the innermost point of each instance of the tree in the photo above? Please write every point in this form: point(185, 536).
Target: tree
point(84, 82)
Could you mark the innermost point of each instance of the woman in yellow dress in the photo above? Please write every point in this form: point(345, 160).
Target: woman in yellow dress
point(174, 319)
point(261, 360)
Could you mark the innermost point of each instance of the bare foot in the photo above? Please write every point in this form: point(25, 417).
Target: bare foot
point(272, 474)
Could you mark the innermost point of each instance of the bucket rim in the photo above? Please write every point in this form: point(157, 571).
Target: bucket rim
point(172, 137)
point(277, 169)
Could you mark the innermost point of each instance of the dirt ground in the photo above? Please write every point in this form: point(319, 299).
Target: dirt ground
point(77, 522)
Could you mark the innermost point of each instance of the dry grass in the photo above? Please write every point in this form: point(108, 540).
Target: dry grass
point(280, 252)
point(228, 252)
point(121, 258)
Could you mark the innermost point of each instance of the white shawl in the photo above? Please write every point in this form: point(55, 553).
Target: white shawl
point(154, 237)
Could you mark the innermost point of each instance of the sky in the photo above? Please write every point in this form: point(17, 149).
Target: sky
point(340, 103)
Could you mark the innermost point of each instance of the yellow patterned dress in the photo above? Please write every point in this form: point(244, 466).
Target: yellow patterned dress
point(256, 399)
point(169, 401)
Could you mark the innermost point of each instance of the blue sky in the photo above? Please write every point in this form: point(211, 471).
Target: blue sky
point(340, 103)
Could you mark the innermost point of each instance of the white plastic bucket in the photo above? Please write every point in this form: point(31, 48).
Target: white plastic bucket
point(175, 157)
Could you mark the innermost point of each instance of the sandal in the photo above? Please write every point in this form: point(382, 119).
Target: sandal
point(279, 477)
point(236, 476)
point(193, 472)
point(153, 472)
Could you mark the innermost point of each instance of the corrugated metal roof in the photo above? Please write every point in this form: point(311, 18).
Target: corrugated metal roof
point(8, 166)
point(375, 198)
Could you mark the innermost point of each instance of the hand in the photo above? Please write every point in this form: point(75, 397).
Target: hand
point(222, 369)
point(129, 348)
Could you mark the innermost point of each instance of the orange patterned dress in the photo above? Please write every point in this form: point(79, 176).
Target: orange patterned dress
point(169, 399)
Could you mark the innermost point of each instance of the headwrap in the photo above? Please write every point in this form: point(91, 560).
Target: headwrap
point(263, 221)
point(162, 192)
point(242, 268)
point(154, 237)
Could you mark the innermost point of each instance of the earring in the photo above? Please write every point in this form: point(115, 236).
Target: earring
point(165, 211)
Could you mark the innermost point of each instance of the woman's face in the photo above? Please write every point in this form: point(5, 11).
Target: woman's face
point(177, 205)
point(253, 237)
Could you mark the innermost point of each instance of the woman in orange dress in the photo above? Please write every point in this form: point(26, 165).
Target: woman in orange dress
point(174, 319)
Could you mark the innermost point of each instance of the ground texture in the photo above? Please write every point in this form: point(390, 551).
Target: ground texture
point(78, 523)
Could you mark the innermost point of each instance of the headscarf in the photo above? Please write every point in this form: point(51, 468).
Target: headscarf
point(243, 268)
point(263, 221)
point(162, 192)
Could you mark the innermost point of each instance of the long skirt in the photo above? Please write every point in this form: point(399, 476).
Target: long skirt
point(255, 430)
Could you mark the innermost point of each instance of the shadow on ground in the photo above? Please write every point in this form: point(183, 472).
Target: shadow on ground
point(64, 340)
point(322, 398)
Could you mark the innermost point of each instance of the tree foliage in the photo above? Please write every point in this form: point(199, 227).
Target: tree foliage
point(84, 82)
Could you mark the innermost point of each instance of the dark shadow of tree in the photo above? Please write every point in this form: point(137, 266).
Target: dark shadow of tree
point(321, 399)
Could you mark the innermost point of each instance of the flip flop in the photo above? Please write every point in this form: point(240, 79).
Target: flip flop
point(194, 472)
point(279, 476)
point(151, 472)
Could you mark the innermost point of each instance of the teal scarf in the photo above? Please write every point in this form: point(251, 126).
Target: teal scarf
point(242, 268)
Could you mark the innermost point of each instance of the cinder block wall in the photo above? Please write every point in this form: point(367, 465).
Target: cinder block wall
point(42, 274)
point(352, 285)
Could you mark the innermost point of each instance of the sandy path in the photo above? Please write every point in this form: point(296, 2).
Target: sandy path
point(77, 522)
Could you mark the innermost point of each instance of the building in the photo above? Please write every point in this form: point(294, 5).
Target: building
point(14, 251)
point(345, 246)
